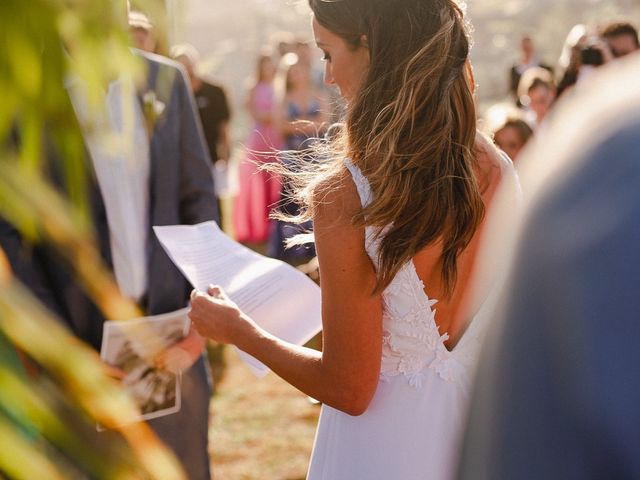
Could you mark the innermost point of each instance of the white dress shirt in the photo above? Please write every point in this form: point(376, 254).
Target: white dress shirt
point(118, 144)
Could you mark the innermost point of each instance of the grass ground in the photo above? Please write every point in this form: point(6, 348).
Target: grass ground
point(260, 428)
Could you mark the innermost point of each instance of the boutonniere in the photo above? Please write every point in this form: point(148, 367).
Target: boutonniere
point(152, 109)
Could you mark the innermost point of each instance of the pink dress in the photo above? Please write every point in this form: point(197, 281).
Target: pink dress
point(258, 190)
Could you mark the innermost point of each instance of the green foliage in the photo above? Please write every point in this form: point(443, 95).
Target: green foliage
point(48, 415)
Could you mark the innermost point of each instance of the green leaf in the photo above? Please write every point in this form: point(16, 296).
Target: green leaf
point(25, 63)
point(20, 459)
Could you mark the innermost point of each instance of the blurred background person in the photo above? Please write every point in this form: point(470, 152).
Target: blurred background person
point(259, 190)
point(302, 110)
point(215, 115)
point(282, 42)
point(302, 118)
point(528, 59)
point(585, 50)
point(621, 38)
point(141, 31)
point(512, 136)
point(302, 49)
point(569, 61)
point(305, 58)
point(537, 92)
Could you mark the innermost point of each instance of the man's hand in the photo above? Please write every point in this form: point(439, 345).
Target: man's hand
point(182, 355)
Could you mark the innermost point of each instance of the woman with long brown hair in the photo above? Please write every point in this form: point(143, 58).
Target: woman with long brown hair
point(397, 219)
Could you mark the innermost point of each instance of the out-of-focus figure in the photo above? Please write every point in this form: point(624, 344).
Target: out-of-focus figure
point(214, 110)
point(569, 61)
point(303, 117)
point(141, 31)
point(622, 38)
point(585, 50)
point(528, 59)
point(302, 113)
point(282, 43)
point(259, 190)
point(211, 101)
point(512, 136)
point(537, 93)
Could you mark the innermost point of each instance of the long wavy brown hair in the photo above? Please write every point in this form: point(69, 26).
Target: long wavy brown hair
point(410, 129)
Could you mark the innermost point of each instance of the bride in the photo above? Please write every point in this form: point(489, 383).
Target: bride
point(397, 218)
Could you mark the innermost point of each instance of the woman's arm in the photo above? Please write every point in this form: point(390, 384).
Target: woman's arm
point(345, 374)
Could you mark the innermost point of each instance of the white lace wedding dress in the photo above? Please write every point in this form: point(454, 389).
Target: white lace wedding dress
point(413, 425)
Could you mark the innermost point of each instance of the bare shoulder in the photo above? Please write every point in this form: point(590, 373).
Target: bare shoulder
point(336, 201)
point(345, 268)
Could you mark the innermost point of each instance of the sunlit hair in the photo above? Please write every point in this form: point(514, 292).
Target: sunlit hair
point(410, 129)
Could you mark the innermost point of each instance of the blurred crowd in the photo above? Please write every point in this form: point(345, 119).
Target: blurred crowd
point(290, 108)
point(535, 85)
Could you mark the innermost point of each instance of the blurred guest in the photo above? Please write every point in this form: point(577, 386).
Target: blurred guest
point(303, 51)
point(558, 390)
point(302, 118)
point(594, 52)
point(512, 136)
point(537, 93)
point(528, 59)
point(282, 42)
point(141, 31)
point(622, 38)
point(585, 51)
point(302, 113)
point(213, 107)
point(569, 61)
point(258, 190)
point(211, 101)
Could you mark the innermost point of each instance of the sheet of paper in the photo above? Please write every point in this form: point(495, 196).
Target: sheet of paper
point(279, 298)
point(131, 345)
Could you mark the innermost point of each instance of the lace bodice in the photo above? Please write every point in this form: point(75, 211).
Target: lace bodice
point(412, 345)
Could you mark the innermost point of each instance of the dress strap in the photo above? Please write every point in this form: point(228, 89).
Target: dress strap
point(362, 184)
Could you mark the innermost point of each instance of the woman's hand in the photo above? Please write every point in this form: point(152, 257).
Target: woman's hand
point(216, 317)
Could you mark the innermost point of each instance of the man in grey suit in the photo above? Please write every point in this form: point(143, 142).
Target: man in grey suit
point(166, 181)
point(558, 390)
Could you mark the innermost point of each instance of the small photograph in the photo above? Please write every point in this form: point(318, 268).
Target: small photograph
point(131, 346)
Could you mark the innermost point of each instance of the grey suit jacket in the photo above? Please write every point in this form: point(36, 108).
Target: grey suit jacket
point(181, 192)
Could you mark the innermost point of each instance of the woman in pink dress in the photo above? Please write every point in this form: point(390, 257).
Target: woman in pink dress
point(259, 190)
